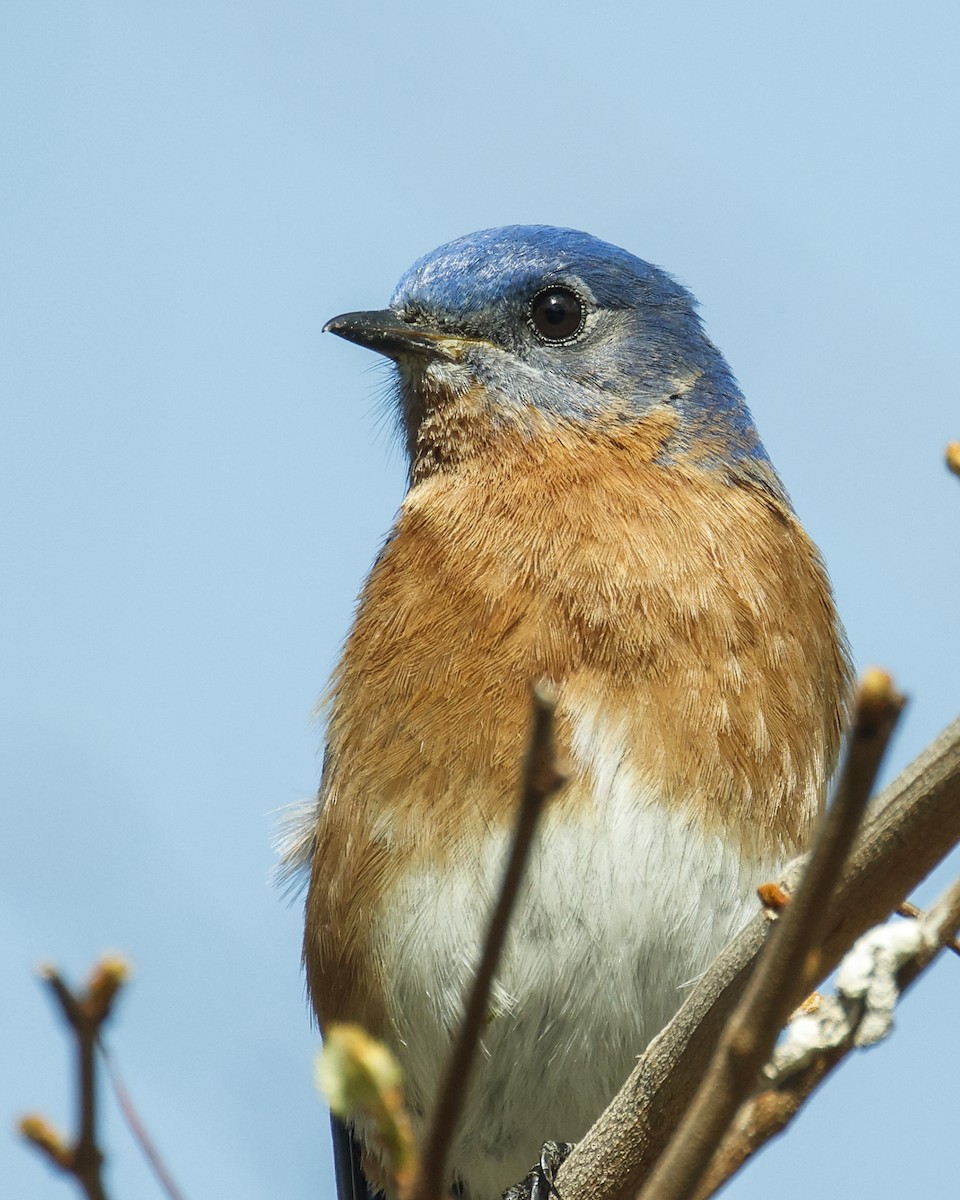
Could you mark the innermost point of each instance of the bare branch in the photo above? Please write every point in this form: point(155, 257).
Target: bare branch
point(792, 951)
point(767, 1113)
point(913, 824)
point(136, 1126)
point(540, 780)
point(85, 1014)
point(906, 909)
point(942, 923)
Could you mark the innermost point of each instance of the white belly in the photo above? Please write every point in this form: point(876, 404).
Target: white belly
point(621, 911)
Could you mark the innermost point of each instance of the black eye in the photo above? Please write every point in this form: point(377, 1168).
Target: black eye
point(557, 314)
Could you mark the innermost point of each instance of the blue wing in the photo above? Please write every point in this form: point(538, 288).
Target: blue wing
point(351, 1181)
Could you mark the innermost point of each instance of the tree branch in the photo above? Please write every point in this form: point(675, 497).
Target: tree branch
point(913, 824)
point(137, 1127)
point(85, 1014)
point(906, 909)
point(791, 952)
point(767, 1113)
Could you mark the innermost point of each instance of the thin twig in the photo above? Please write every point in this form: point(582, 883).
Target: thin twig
point(540, 780)
point(86, 1156)
point(136, 1126)
point(85, 1014)
point(792, 949)
point(767, 1113)
point(913, 824)
point(942, 921)
point(906, 909)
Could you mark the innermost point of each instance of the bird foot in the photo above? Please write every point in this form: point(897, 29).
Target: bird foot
point(539, 1185)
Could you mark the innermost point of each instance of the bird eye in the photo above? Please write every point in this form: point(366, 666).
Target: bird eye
point(557, 314)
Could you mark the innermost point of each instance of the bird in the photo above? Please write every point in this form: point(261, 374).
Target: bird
point(589, 504)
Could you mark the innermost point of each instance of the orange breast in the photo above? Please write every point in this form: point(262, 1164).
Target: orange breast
point(698, 609)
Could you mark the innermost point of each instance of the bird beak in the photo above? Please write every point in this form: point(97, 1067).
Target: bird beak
point(384, 332)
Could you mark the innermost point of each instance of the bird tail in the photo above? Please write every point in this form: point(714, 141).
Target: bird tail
point(352, 1184)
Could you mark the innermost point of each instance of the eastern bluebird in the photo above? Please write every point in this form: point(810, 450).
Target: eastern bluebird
point(589, 503)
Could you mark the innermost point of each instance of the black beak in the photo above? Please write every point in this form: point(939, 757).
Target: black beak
point(384, 332)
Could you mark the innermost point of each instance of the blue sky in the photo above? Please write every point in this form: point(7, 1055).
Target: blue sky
point(195, 482)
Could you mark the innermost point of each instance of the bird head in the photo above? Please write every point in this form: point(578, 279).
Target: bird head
point(539, 328)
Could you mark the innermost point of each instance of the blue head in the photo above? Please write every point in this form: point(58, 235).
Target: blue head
point(553, 321)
